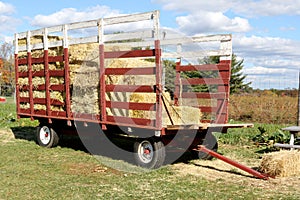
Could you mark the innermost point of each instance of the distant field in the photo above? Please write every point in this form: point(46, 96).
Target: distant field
point(268, 108)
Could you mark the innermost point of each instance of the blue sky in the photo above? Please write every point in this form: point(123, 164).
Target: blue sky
point(266, 33)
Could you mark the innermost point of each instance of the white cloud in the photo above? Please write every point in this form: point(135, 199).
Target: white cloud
point(271, 47)
point(68, 15)
point(196, 6)
point(6, 8)
point(253, 8)
point(8, 23)
point(204, 22)
point(259, 70)
point(256, 8)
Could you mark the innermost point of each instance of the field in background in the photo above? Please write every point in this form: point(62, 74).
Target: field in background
point(265, 107)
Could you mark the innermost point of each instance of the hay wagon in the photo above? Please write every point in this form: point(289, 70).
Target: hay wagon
point(125, 76)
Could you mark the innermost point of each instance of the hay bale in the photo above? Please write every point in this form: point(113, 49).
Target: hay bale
point(180, 115)
point(281, 164)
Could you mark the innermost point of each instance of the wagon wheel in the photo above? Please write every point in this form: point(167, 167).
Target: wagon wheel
point(210, 142)
point(46, 136)
point(149, 153)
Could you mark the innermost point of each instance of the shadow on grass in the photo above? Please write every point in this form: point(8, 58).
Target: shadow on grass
point(111, 148)
point(227, 171)
point(24, 133)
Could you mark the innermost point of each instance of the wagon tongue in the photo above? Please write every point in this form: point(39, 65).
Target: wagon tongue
point(234, 163)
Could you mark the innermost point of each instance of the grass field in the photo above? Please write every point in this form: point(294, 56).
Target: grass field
point(28, 171)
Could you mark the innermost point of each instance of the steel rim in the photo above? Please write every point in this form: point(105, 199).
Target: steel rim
point(145, 152)
point(44, 135)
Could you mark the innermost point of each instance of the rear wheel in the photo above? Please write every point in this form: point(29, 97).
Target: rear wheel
point(149, 153)
point(46, 136)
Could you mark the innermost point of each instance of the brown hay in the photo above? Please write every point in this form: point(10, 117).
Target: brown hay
point(180, 115)
point(281, 164)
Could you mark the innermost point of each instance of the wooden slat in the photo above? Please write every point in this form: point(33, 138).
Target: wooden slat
point(42, 87)
point(56, 73)
point(201, 81)
point(129, 88)
point(23, 61)
point(130, 71)
point(203, 95)
point(130, 121)
point(129, 54)
point(41, 101)
point(207, 67)
point(131, 105)
point(208, 109)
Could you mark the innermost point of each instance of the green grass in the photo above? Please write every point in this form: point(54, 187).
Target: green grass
point(8, 116)
point(31, 172)
point(28, 171)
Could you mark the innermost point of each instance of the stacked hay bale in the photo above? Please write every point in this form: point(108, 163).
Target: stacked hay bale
point(281, 164)
point(84, 83)
point(36, 81)
point(171, 114)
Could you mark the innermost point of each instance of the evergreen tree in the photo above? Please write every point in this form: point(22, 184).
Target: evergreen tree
point(237, 79)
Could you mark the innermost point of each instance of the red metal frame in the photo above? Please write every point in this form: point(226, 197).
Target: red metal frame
point(220, 111)
point(222, 82)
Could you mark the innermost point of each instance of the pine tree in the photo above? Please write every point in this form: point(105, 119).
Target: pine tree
point(237, 79)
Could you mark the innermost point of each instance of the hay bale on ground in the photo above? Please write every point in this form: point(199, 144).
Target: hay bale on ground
point(281, 164)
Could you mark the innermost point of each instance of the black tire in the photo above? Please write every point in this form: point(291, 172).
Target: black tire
point(46, 136)
point(149, 153)
point(210, 142)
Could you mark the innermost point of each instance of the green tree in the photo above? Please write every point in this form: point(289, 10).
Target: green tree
point(237, 79)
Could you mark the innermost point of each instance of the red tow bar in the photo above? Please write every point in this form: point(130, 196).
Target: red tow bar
point(234, 163)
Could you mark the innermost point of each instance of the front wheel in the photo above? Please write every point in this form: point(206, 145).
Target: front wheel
point(149, 153)
point(46, 136)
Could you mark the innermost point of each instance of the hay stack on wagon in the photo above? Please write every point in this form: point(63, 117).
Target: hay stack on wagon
point(84, 82)
point(171, 114)
point(281, 164)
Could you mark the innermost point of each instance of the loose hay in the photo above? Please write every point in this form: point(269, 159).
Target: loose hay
point(281, 164)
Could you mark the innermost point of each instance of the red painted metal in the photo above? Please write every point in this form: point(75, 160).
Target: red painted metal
point(159, 89)
point(43, 87)
point(218, 112)
point(24, 61)
point(131, 105)
point(129, 54)
point(103, 87)
point(203, 95)
point(42, 101)
point(130, 71)
point(177, 83)
point(206, 67)
point(47, 84)
point(67, 83)
point(129, 88)
point(232, 162)
point(125, 121)
point(17, 85)
point(204, 81)
point(29, 64)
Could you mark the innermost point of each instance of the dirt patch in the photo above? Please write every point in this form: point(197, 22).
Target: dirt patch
point(6, 136)
point(88, 169)
point(217, 170)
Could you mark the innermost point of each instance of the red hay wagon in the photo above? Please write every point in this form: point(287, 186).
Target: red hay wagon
point(136, 36)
